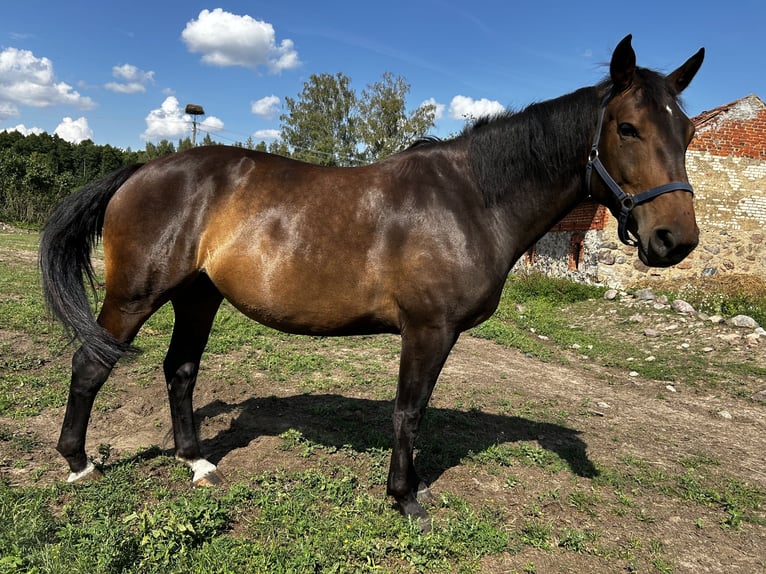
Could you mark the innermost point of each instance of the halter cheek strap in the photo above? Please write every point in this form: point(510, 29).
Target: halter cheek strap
point(626, 202)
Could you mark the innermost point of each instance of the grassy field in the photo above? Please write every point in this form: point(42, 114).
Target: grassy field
point(528, 478)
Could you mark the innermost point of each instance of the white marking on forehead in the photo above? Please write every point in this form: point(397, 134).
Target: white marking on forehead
point(670, 110)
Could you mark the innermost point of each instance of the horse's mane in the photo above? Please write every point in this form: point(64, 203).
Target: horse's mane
point(542, 143)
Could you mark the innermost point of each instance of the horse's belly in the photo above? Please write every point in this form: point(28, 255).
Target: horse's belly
point(316, 302)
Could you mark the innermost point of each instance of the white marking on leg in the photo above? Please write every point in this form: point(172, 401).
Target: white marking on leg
point(75, 476)
point(200, 467)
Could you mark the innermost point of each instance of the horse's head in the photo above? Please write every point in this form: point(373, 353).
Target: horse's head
point(639, 152)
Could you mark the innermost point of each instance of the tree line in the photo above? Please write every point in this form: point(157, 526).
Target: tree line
point(328, 123)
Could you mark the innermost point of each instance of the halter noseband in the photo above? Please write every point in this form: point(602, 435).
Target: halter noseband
point(627, 202)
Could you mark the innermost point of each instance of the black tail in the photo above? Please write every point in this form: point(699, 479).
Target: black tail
point(68, 238)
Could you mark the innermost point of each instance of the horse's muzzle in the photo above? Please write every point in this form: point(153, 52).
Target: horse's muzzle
point(666, 247)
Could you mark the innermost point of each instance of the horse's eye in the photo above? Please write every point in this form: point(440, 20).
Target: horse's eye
point(628, 130)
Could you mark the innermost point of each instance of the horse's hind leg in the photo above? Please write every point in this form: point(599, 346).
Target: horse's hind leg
point(88, 376)
point(195, 308)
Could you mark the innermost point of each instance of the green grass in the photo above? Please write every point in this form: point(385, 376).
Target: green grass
point(317, 520)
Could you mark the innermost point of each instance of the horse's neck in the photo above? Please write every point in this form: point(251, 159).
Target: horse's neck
point(529, 218)
point(536, 188)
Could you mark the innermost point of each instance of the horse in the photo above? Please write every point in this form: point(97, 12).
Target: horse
point(418, 244)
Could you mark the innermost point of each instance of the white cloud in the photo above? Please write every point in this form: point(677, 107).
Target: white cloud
point(226, 39)
point(26, 80)
point(267, 107)
point(267, 135)
point(170, 122)
point(23, 130)
point(465, 107)
point(74, 131)
point(211, 124)
point(438, 108)
point(131, 79)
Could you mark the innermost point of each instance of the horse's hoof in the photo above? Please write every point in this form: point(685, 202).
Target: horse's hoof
point(424, 522)
point(423, 494)
point(211, 479)
point(89, 474)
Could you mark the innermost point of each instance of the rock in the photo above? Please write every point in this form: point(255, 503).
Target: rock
point(707, 349)
point(606, 257)
point(744, 321)
point(760, 396)
point(724, 415)
point(633, 374)
point(644, 295)
point(752, 340)
point(716, 319)
point(651, 333)
point(714, 249)
point(709, 271)
point(662, 299)
point(610, 295)
point(637, 318)
point(671, 388)
point(681, 306)
point(608, 245)
point(730, 337)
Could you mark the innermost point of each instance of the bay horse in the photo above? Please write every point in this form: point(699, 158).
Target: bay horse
point(418, 244)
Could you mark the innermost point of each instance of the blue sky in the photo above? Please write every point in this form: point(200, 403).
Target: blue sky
point(122, 72)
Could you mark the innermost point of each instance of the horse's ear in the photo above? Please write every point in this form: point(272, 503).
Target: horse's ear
point(623, 65)
point(682, 77)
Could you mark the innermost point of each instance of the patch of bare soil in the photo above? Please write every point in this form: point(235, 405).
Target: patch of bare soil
point(592, 416)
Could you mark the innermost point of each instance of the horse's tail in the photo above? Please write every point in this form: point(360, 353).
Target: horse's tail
point(67, 240)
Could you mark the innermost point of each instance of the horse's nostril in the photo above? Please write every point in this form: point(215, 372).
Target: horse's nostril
point(670, 247)
point(665, 241)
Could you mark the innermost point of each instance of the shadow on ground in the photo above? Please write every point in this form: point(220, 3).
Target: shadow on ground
point(447, 436)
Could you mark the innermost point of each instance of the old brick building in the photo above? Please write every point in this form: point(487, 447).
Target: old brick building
point(726, 163)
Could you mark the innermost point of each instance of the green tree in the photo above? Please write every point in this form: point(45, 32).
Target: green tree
point(385, 126)
point(320, 125)
point(278, 147)
point(329, 124)
point(184, 144)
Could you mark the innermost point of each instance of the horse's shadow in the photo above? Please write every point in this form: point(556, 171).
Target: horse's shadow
point(447, 436)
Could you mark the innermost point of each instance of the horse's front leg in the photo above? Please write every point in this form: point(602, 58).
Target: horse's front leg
point(424, 351)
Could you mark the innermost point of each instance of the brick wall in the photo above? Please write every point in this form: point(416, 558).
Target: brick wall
point(726, 164)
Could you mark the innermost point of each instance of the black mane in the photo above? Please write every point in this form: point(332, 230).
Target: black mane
point(538, 146)
point(546, 142)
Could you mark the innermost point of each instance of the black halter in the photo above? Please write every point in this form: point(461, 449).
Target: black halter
point(627, 202)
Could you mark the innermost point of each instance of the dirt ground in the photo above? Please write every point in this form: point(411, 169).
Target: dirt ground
point(605, 416)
